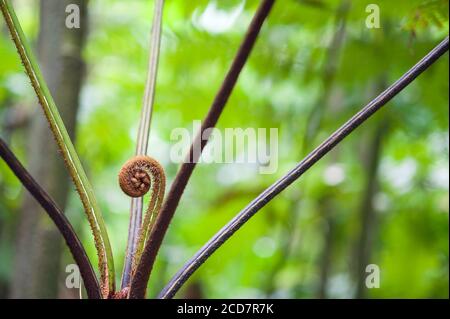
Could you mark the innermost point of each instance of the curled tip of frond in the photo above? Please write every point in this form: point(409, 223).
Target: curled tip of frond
point(135, 175)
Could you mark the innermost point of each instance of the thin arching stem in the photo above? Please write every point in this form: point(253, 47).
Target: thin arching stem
point(149, 95)
point(57, 216)
point(242, 217)
point(313, 120)
point(139, 281)
point(143, 137)
point(150, 216)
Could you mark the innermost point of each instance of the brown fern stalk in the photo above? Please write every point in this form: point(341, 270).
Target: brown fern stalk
point(139, 281)
point(137, 177)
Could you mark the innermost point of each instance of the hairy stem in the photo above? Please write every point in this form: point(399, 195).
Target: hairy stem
point(158, 189)
point(137, 177)
point(66, 148)
point(57, 216)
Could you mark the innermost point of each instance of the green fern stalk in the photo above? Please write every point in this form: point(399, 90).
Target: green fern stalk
point(66, 148)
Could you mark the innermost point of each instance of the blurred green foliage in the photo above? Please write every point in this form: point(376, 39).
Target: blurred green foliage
point(279, 86)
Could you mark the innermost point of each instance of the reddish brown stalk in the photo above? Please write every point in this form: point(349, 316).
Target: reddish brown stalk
point(139, 281)
point(138, 176)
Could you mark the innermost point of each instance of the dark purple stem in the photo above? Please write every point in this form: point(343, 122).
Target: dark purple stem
point(60, 220)
point(242, 217)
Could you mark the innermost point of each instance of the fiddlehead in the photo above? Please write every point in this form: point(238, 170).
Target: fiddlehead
point(138, 176)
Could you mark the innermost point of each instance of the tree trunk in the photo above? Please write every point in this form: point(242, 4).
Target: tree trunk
point(367, 212)
point(326, 253)
point(38, 246)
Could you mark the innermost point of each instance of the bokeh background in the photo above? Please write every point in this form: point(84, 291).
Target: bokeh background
point(381, 197)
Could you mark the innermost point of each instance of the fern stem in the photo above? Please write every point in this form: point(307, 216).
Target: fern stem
point(143, 137)
point(139, 282)
point(57, 216)
point(149, 95)
point(66, 148)
point(312, 158)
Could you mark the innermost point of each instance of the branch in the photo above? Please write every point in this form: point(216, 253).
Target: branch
point(143, 136)
point(66, 148)
point(139, 282)
point(60, 220)
point(242, 217)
